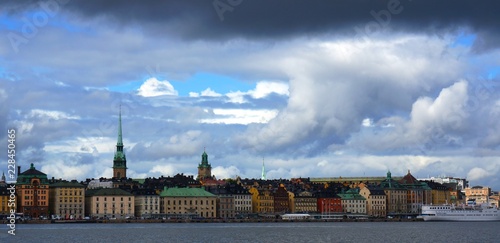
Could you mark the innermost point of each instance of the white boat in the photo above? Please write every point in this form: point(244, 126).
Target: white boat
point(460, 213)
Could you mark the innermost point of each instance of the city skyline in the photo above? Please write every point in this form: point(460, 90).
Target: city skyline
point(322, 89)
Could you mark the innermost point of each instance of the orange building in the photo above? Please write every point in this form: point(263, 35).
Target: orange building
point(32, 190)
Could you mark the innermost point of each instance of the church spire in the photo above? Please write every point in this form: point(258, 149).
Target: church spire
point(119, 161)
point(120, 142)
point(263, 176)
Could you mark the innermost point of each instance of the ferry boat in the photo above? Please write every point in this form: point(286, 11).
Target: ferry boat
point(460, 213)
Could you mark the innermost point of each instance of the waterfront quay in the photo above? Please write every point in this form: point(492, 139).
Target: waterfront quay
point(253, 220)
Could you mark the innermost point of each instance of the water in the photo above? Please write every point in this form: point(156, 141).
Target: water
point(258, 232)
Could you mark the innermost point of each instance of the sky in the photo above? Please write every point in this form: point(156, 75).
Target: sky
point(310, 88)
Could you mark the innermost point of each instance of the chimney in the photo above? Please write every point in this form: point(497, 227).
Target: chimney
point(18, 170)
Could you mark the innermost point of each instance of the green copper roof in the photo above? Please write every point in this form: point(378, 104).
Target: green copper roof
point(350, 196)
point(204, 161)
point(185, 192)
point(25, 177)
point(66, 184)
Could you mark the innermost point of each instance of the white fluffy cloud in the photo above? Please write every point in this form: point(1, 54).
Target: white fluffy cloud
point(262, 90)
point(431, 121)
point(54, 115)
point(154, 87)
point(240, 116)
point(356, 79)
point(221, 172)
point(207, 93)
point(265, 88)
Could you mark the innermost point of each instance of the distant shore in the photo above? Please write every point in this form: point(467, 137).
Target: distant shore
point(262, 220)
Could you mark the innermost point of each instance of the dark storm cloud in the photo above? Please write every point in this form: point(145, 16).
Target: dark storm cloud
point(223, 19)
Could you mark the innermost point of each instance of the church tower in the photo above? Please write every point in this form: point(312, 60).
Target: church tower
point(119, 161)
point(204, 168)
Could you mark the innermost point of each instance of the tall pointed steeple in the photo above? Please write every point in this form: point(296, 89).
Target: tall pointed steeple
point(263, 176)
point(120, 141)
point(119, 160)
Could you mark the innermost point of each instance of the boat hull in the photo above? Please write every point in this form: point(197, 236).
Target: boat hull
point(449, 213)
point(461, 218)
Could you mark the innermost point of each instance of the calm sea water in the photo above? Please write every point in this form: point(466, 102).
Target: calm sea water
point(259, 232)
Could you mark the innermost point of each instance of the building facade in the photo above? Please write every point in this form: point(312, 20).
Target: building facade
point(262, 201)
point(189, 202)
point(281, 200)
point(478, 194)
point(242, 202)
point(32, 190)
point(109, 203)
point(353, 202)
point(329, 203)
point(375, 201)
point(4, 200)
point(417, 193)
point(146, 203)
point(305, 202)
point(440, 194)
point(396, 195)
point(225, 206)
point(67, 200)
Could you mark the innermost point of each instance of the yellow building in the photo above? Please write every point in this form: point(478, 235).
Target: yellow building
point(262, 201)
point(109, 203)
point(375, 201)
point(188, 202)
point(479, 194)
point(441, 194)
point(67, 200)
point(4, 200)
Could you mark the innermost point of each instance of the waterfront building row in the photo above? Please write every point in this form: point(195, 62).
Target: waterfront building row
point(38, 196)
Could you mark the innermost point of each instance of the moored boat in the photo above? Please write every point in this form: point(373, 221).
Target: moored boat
point(462, 213)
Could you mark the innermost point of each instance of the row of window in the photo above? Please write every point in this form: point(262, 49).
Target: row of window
point(35, 192)
point(113, 212)
point(70, 200)
point(150, 207)
point(70, 205)
point(30, 203)
point(70, 192)
point(185, 209)
point(179, 202)
point(113, 199)
point(28, 186)
point(31, 197)
point(113, 205)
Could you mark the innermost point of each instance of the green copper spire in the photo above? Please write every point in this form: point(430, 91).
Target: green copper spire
point(120, 142)
point(119, 160)
point(263, 176)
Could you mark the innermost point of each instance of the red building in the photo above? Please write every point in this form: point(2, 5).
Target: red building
point(329, 203)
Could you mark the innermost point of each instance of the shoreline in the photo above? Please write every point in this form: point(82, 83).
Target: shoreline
point(124, 221)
